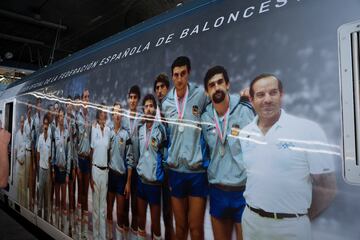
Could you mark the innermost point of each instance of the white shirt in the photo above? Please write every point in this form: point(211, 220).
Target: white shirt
point(44, 149)
point(279, 164)
point(29, 132)
point(20, 145)
point(100, 143)
point(37, 123)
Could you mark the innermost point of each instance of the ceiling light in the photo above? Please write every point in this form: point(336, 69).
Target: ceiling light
point(9, 55)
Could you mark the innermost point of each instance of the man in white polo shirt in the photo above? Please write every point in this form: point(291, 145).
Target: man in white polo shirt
point(290, 170)
point(44, 158)
point(29, 130)
point(20, 148)
point(100, 144)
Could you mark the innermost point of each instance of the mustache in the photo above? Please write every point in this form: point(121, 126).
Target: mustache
point(218, 96)
point(218, 92)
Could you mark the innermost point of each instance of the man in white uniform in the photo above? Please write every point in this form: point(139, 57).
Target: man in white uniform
point(30, 162)
point(20, 148)
point(44, 158)
point(290, 173)
point(100, 144)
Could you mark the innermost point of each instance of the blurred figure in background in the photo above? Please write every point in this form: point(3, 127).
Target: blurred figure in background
point(19, 154)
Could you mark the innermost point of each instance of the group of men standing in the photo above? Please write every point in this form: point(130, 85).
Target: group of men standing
point(186, 143)
point(47, 161)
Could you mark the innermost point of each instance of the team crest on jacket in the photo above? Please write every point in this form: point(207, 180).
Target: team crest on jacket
point(153, 142)
point(235, 130)
point(195, 110)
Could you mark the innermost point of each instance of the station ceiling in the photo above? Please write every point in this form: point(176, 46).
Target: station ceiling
point(36, 33)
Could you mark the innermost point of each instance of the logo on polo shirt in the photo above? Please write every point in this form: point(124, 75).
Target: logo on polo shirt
point(285, 145)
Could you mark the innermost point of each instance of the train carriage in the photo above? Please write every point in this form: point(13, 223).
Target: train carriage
point(312, 46)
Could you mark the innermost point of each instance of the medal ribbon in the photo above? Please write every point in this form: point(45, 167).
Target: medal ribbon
point(147, 136)
point(181, 109)
point(221, 134)
point(132, 124)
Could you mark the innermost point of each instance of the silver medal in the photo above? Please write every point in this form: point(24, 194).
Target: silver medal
point(181, 128)
point(147, 154)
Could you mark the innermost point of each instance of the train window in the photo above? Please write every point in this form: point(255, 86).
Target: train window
point(349, 47)
point(8, 125)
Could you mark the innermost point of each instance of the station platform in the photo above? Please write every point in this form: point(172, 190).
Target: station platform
point(15, 227)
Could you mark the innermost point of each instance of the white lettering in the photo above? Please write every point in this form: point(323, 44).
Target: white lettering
point(160, 41)
point(103, 62)
point(113, 57)
point(147, 46)
point(133, 50)
point(205, 28)
point(126, 53)
point(246, 14)
point(280, 3)
point(184, 33)
point(118, 56)
point(233, 17)
point(264, 7)
point(195, 30)
point(217, 23)
point(169, 38)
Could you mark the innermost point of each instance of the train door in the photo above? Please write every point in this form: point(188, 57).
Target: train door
point(349, 56)
point(8, 124)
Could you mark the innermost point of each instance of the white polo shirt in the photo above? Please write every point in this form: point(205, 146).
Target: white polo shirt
point(44, 149)
point(100, 143)
point(279, 164)
point(29, 132)
point(20, 145)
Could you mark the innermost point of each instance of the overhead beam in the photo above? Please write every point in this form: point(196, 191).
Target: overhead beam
point(32, 20)
point(21, 39)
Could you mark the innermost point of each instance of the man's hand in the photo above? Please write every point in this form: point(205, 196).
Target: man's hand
point(323, 192)
point(127, 190)
point(92, 183)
